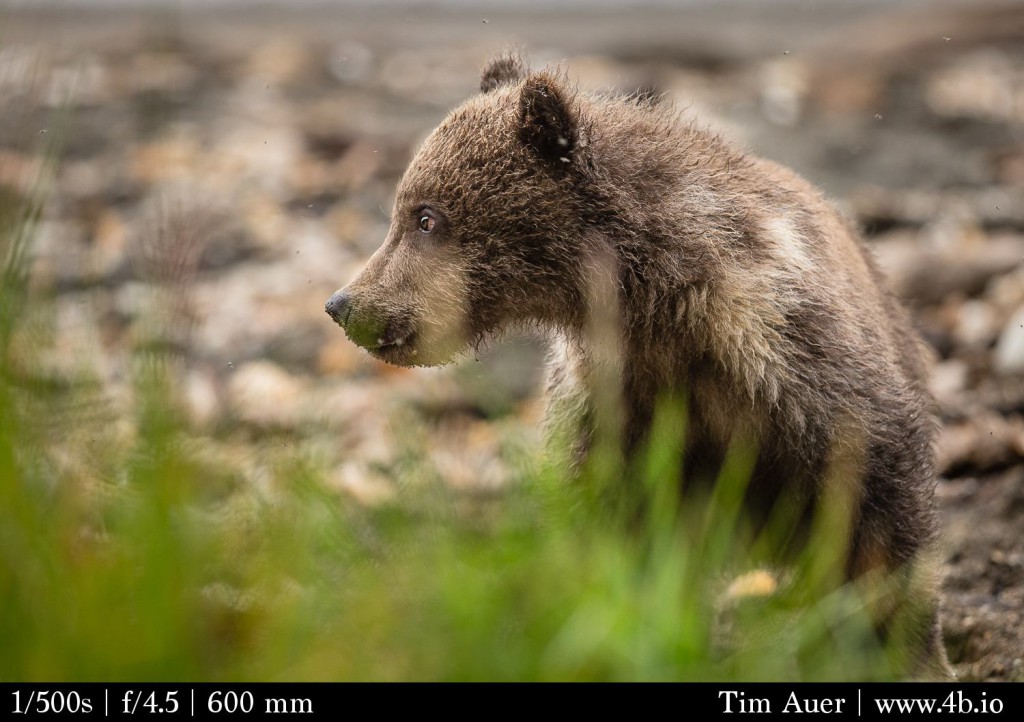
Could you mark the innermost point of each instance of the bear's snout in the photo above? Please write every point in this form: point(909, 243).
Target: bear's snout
point(338, 307)
point(383, 334)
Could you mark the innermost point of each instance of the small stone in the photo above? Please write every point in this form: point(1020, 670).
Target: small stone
point(976, 326)
point(18, 170)
point(984, 84)
point(201, 399)
point(172, 158)
point(109, 242)
point(263, 394)
point(758, 583)
point(357, 481)
point(280, 62)
point(161, 72)
point(469, 469)
point(351, 62)
point(949, 378)
point(783, 91)
point(1009, 352)
point(296, 346)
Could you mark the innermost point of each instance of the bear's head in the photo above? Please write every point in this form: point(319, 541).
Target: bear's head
point(483, 228)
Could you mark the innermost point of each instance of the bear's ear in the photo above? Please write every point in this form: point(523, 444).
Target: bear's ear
point(502, 70)
point(547, 122)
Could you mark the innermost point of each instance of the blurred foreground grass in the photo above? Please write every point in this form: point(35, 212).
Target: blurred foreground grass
point(127, 552)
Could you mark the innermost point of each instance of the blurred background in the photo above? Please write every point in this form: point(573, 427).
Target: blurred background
point(208, 173)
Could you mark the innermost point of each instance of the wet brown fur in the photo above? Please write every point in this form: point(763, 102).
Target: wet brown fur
point(732, 280)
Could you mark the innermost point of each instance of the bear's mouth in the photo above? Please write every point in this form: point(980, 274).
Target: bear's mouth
point(394, 341)
point(396, 346)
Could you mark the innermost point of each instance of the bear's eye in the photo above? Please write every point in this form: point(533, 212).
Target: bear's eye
point(427, 223)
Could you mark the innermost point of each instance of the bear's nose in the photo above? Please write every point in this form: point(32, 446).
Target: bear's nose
point(339, 306)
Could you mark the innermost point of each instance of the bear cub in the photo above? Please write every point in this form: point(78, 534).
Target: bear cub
point(662, 262)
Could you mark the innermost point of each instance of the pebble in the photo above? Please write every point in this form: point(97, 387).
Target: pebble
point(263, 394)
point(202, 400)
point(355, 479)
point(1009, 352)
point(949, 379)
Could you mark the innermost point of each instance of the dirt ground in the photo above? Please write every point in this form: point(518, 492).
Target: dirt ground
point(271, 141)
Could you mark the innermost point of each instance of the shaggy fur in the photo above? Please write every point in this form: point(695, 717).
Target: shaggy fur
point(721, 276)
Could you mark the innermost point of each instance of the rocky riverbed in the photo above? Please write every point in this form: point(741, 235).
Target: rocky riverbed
point(215, 175)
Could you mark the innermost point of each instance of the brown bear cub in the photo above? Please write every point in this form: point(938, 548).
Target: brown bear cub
point(721, 278)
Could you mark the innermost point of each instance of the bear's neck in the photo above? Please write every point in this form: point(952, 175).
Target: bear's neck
point(662, 313)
